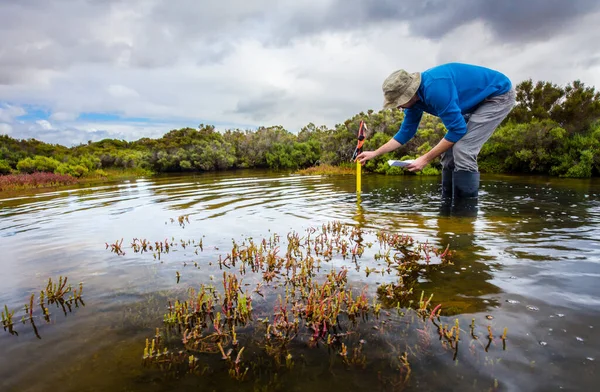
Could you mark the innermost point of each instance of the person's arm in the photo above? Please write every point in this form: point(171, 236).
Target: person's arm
point(423, 160)
point(412, 118)
point(390, 146)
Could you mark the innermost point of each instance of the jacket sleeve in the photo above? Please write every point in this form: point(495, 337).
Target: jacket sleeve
point(444, 99)
point(412, 118)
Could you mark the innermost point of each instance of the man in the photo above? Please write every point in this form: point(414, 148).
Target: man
point(470, 100)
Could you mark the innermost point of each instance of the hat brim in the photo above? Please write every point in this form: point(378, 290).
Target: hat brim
point(409, 92)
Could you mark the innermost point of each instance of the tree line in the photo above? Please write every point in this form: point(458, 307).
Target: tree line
point(553, 130)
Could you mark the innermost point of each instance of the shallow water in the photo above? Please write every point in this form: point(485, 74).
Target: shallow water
point(528, 256)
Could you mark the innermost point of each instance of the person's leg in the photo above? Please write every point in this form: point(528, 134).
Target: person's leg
point(447, 170)
point(447, 161)
point(482, 124)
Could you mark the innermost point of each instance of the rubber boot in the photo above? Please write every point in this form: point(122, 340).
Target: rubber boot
point(465, 184)
point(447, 183)
point(466, 189)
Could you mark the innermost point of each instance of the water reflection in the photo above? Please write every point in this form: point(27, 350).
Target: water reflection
point(533, 241)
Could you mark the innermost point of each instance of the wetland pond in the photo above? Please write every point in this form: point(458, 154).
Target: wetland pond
point(248, 280)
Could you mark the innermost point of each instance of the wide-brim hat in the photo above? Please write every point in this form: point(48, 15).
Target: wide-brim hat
point(399, 88)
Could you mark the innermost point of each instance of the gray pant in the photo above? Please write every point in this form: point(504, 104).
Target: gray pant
point(480, 126)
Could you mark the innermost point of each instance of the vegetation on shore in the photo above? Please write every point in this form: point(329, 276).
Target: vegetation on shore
point(328, 170)
point(553, 130)
point(40, 179)
point(34, 180)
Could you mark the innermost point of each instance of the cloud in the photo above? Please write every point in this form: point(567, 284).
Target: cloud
point(509, 20)
point(120, 91)
point(262, 62)
point(260, 106)
point(9, 112)
point(63, 116)
point(5, 129)
point(71, 133)
point(44, 125)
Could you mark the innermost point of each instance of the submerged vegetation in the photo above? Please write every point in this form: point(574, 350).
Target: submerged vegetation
point(280, 299)
point(552, 130)
point(55, 293)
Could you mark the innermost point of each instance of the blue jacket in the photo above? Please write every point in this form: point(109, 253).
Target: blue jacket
point(449, 91)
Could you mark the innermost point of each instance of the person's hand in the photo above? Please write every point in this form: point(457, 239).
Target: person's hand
point(418, 164)
point(364, 156)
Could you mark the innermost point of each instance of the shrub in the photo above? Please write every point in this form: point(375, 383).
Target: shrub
point(34, 180)
point(38, 164)
point(5, 167)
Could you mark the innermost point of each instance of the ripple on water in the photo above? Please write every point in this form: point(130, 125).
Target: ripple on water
point(516, 225)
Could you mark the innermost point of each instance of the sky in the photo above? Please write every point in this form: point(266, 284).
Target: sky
point(76, 70)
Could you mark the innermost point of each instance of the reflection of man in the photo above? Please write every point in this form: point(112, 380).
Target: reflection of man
point(470, 100)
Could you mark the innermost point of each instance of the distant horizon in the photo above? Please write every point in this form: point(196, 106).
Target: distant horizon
point(161, 127)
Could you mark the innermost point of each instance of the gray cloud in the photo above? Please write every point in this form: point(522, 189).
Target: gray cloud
point(510, 20)
point(261, 106)
point(264, 62)
point(39, 34)
point(55, 35)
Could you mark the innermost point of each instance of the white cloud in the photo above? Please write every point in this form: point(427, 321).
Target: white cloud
point(74, 133)
point(63, 116)
point(9, 112)
point(120, 91)
point(44, 125)
point(5, 129)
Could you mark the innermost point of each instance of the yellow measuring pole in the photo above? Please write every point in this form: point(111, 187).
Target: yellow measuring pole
point(358, 175)
point(357, 151)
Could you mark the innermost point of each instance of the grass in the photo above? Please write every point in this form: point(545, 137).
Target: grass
point(34, 180)
point(328, 170)
point(23, 181)
point(111, 174)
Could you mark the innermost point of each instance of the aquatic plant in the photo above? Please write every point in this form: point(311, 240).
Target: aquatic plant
point(7, 321)
point(57, 293)
point(116, 247)
point(304, 276)
point(182, 220)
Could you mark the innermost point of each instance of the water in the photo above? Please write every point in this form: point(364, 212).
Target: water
point(527, 258)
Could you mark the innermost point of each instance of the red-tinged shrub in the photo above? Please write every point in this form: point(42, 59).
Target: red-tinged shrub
point(34, 180)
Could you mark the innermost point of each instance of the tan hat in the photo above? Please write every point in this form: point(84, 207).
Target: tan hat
point(399, 88)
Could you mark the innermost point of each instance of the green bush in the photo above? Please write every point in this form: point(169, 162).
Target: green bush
point(79, 171)
point(5, 167)
point(72, 170)
point(64, 168)
point(100, 172)
point(429, 171)
point(583, 168)
point(38, 163)
point(26, 165)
